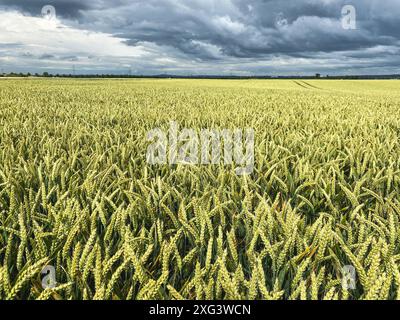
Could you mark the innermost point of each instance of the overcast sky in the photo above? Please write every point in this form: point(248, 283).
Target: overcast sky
point(253, 37)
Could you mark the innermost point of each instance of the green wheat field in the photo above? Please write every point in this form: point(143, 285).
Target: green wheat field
point(77, 193)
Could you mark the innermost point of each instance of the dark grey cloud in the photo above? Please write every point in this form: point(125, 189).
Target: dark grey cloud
point(46, 56)
point(249, 28)
point(237, 31)
point(65, 8)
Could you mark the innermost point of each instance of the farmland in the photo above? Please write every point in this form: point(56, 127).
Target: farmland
point(77, 193)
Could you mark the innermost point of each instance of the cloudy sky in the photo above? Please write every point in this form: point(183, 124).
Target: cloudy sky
point(241, 37)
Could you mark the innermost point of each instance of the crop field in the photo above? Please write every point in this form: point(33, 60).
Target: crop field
point(77, 194)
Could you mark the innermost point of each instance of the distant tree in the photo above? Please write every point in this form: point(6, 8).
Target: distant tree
point(318, 75)
point(46, 74)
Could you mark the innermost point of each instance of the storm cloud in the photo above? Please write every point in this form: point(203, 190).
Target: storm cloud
point(219, 36)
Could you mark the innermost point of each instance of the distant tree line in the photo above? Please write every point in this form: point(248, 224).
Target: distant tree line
point(50, 75)
point(168, 76)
